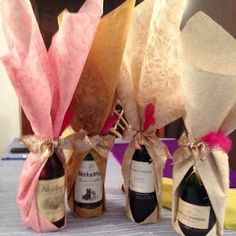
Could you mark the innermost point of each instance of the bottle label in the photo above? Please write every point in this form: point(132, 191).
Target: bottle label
point(50, 198)
point(193, 216)
point(142, 177)
point(88, 186)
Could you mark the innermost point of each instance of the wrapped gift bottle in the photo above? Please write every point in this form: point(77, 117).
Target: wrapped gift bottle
point(50, 191)
point(195, 214)
point(142, 195)
point(88, 188)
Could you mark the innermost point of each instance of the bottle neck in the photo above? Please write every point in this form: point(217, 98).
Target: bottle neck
point(53, 168)
point(88, 157)
point(197, 174)
point(142, 155)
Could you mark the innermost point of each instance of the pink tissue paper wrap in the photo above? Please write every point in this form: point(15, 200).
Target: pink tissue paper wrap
point(44, 81)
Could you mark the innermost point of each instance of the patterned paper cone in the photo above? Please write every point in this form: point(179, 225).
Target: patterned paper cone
point(44, 82)
point(94, 97)
point(150, 75)
point(208, 57)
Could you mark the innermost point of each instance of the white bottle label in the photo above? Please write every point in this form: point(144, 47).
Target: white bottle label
point(50, 198)
point(88, 186)
point(142, 177)
point(193, 216)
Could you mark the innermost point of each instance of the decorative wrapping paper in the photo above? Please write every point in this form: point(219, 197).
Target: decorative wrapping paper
point(208, 58)
point(44, 81)
point(150, 75)
point(93, 99)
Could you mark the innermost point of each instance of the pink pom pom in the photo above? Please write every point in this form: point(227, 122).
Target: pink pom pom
point(218, 139)
point(111, 120)
point(149, 118)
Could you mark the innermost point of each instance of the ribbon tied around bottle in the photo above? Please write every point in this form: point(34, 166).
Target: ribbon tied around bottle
point(199, 149)
point(149, 140)
point(42, 147)
point(80, 142)
point(190, 147)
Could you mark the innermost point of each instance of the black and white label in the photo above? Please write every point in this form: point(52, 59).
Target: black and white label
point(88, 184)
point(193, 216)
point(142, 177)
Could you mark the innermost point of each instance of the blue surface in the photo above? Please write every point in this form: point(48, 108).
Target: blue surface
point(8, 156)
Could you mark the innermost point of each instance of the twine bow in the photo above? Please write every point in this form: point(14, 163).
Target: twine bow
point(149, 139)
point(79, 142)
point(40, 146)
point(83, 143)
point(190, 147)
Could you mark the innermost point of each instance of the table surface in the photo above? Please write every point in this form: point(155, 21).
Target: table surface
point(112, 222)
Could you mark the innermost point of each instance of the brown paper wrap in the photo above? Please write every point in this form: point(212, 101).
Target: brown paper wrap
point(99, 147)
point(73, 165)
point(94, 96)
point(208, 58)
point(150, 74)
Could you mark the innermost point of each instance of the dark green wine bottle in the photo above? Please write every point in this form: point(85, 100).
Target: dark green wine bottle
point(110, 5)
point(50, 191)
point(195, 214)
point(142, 195)
point(88, 187)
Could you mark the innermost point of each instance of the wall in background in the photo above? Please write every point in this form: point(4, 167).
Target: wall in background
point(9, 112)
point(221, 11)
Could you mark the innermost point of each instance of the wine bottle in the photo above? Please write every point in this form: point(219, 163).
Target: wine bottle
point(109, 5)
point(142, 195)
point(138, 2)
point(88, 187)
point(50, 191)
point(195, 214)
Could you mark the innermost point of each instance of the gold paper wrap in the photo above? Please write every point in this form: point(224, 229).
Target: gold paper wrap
point(94, 96)
point(97, 146)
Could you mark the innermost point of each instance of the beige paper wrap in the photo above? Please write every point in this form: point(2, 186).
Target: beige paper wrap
point(150, 74)
point(208, 56)
point(93, 98)
point(158, 152)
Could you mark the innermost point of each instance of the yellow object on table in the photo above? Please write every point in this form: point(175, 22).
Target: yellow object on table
point(68, 131)
point(230, 214)
point(167, 193)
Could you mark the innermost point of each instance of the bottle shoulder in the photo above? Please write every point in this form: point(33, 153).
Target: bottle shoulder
point(142, 155)
point(53, 168)
point(88, 157)
point(193, 190)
